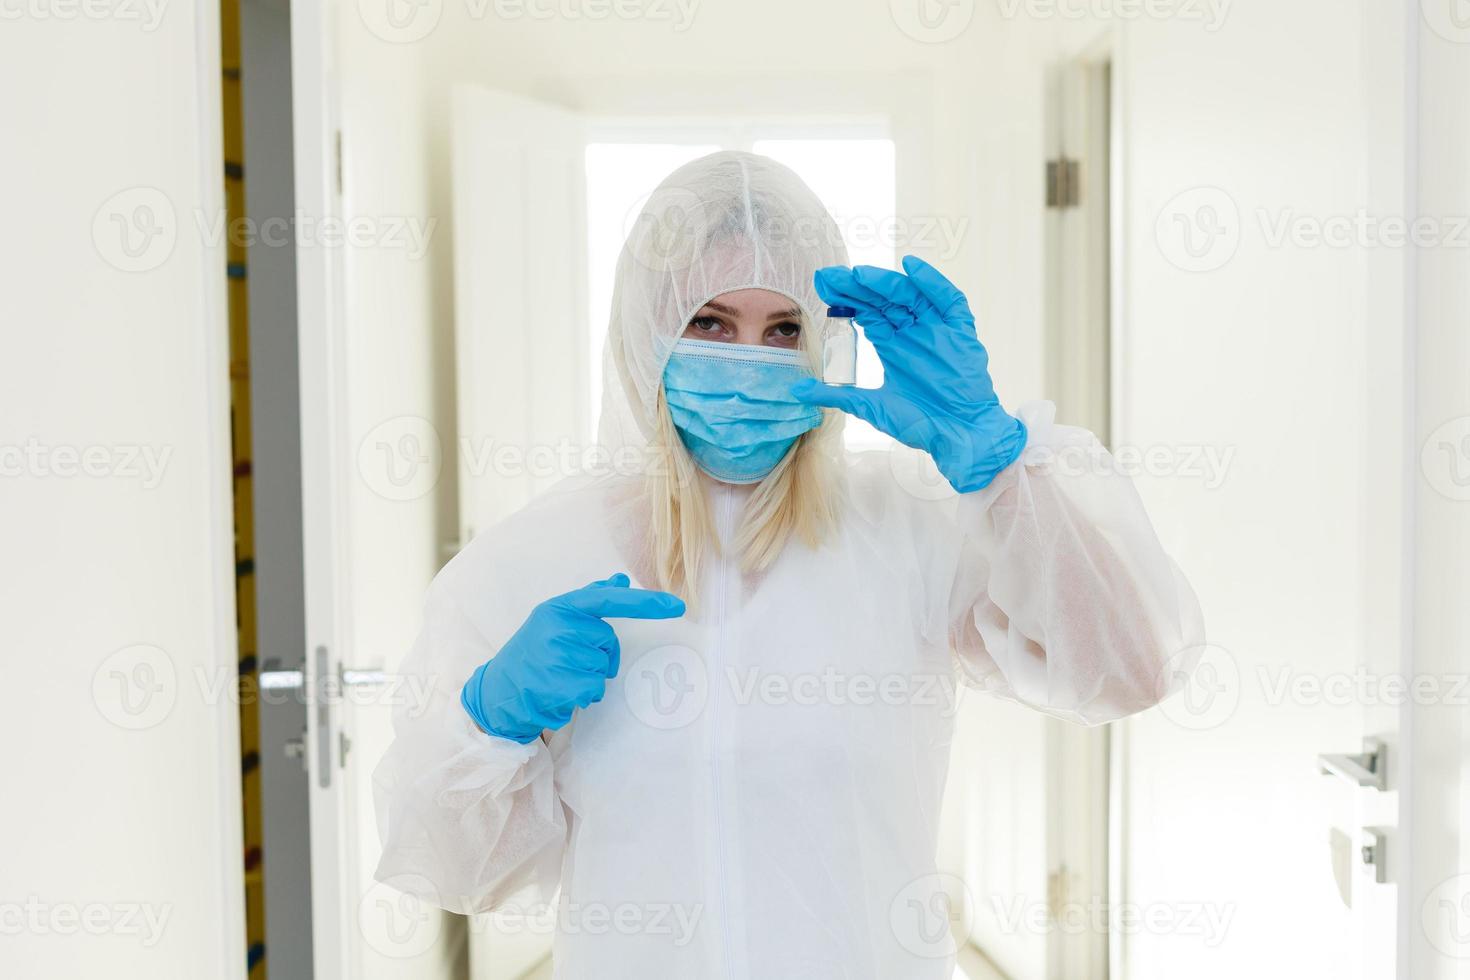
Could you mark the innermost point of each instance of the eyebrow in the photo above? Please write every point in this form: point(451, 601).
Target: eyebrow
point(718, 307)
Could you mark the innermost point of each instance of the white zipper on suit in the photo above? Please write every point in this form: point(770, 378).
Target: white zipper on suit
point(717, 653)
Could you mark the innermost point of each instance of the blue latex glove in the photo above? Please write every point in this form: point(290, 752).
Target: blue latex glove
point(559, 660)
point(937, 395)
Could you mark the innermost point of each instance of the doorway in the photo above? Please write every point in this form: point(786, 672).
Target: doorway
point(278, 846)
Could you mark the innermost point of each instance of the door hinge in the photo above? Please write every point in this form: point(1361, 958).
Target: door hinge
point(1063, 183)
point(337, 158)
point(1057, 888)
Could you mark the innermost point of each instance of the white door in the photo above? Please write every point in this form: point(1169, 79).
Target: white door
point(521, 352)
point(520, 281)
point(1267, 374)
point(367, 508)
point(320, 299)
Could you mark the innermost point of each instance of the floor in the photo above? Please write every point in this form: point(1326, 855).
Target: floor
point(972, 965)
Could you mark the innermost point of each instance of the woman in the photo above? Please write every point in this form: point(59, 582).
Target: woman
point(735, 769)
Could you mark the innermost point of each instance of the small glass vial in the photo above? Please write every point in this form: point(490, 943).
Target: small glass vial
point(839, 349)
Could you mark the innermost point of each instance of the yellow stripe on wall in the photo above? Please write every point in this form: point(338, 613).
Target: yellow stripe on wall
point(239, 318)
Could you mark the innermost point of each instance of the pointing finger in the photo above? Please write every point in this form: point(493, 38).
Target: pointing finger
point(621, 602)
point(617, 579)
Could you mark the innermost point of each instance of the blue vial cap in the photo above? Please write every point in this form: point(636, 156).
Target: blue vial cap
point(841, 312)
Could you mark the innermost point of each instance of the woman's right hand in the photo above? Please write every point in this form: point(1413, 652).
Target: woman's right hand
point(559, 660)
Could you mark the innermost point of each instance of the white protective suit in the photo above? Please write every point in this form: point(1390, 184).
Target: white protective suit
point(758, 793)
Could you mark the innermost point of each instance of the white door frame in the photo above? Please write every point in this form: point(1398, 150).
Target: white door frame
point(1416, 138)
point(1434, 779)
point(1118, 249)
point(323, 378)
point(1080, 323)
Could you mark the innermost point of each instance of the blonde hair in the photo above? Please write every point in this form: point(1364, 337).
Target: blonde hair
point(796, 498)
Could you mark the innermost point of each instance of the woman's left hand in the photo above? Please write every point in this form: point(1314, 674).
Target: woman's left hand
point(937, 394)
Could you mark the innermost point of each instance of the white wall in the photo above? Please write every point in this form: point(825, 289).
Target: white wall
point(121, 786)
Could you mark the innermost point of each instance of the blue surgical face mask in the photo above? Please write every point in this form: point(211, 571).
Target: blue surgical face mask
point(732, 406)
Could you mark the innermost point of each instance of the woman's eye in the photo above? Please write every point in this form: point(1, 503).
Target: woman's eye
point(704, 325)
point(784, 334)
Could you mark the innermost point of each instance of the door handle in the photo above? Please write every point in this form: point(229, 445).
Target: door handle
point(359, 677)
point(295, 680)
point(291, 680)
point(281, 680)
point(1367, 768)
